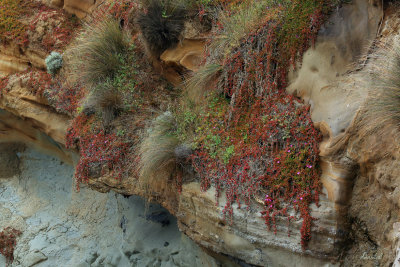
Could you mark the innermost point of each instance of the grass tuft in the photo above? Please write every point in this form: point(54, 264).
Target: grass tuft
point(161, 25)
point(382, 106)
point(98, 52)
point(157, 151)
point(108, 102)
point(197, 84)
point(235, 25)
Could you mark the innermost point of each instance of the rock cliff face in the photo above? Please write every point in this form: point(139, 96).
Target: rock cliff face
point(359, 206)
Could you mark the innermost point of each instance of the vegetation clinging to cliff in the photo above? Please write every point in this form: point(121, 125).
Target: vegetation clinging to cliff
point(252, 140)
point(53, 62)
point(98, 51)
point(11, 27)
point(107, 126)
point(19, 20)
point(7, 243)
point(157, 150)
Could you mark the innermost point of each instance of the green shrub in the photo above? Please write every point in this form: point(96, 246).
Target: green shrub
point(54, 62)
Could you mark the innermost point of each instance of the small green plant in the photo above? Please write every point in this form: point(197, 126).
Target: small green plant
point(54, 62)
point(228, 153)
point(121, 132)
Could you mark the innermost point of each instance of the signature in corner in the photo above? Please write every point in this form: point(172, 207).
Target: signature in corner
point(365, 256)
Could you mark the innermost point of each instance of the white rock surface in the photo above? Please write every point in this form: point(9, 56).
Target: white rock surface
point(62, 227)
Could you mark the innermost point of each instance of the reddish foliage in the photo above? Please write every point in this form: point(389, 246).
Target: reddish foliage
point(7, 242)
point(112, 148)
point(97, 148)
point(59, 32)
point(264, 144)
point(12, 12)
point(56, 35)
point(65, 98)
point(121, 10)
point(38, 81)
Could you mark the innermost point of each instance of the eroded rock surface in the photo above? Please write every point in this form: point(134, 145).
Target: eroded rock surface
point(188, 54)
point(328, 79)
point(321, 80)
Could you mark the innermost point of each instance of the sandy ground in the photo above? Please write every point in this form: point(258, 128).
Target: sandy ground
point(62, 227)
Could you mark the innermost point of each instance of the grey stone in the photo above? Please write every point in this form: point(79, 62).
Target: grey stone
point(34, 258)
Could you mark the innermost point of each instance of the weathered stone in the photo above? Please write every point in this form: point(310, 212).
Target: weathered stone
point(79, 7)
point(9, 161)
point(188, 54)
point(34, 258)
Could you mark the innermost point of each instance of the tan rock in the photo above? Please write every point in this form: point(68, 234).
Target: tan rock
point(188, 54)
point(14, 59)
point(57, 3)
point(79, 7)
point(341, 43)
point(17, 130)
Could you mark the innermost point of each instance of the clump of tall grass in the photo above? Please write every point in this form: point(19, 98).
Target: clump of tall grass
point(108, 101)
point(161, 25)
point(236, 25)
point(95, 61)
point(97, 52)
point(198, 82)
point(382, 106)
point(158, 150)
